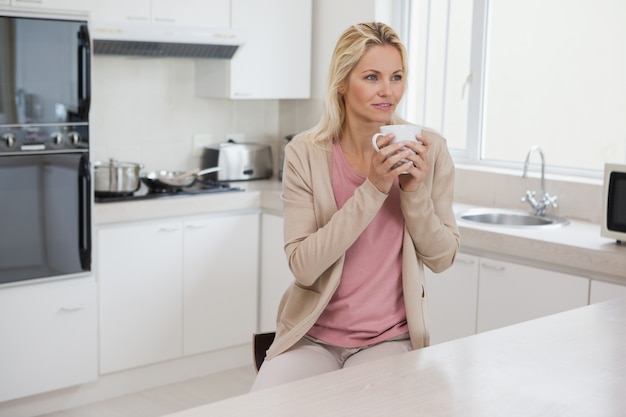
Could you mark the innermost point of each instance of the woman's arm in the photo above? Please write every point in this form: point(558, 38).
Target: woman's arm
point(316, 233)
point(429, 213)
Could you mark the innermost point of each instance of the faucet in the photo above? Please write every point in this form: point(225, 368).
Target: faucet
point(546, 201)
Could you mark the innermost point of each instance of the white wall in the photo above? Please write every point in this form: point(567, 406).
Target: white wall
point(144, 110)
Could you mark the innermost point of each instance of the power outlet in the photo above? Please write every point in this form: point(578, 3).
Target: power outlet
point(200, 141)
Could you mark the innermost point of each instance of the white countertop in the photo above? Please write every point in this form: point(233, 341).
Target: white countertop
point(568, 364)
point(577, 248)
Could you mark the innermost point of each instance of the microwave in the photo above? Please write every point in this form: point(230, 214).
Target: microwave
point(614, 202)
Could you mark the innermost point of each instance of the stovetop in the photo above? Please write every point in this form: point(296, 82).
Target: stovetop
point(145, 193)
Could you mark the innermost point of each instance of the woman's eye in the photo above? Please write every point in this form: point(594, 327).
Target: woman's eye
point(396, 78)
point(371, 77)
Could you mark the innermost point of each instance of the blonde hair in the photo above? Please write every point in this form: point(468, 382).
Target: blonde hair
point(351, 46)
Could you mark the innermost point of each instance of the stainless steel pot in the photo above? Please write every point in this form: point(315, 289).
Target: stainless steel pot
point(116, 178)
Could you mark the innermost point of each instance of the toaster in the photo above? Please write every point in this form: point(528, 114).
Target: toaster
point(238, 161)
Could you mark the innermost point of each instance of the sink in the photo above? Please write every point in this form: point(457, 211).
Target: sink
point(511, 218)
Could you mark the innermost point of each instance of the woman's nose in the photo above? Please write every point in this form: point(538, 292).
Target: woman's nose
point(384, 88)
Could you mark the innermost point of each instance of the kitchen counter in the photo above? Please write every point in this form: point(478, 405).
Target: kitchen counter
point(568, 364)
point(577, 248)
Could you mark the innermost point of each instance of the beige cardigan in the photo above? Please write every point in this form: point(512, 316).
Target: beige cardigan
point(317, 235)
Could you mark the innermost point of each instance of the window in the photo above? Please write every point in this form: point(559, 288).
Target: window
point(496, 77)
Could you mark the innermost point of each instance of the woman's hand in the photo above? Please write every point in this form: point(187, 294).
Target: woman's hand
point(418, 166)
point(388, 163)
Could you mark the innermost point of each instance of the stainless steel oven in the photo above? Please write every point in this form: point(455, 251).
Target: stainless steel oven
point(45, 181)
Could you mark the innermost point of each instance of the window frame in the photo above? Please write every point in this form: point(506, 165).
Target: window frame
point(414, 26)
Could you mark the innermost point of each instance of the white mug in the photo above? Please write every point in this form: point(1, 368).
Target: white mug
point(404, 133)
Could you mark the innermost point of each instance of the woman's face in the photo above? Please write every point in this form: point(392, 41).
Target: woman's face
point(375, 86)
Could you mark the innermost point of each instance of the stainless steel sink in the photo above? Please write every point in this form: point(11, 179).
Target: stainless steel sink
point(511, 218)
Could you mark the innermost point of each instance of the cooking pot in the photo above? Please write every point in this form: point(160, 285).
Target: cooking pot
point(116, 178)
point(173, 180)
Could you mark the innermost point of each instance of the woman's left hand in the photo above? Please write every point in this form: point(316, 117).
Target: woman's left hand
point(418, 166)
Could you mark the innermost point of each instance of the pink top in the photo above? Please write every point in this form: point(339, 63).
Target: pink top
point(368, 306)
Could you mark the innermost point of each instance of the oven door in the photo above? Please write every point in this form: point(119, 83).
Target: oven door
point(45, 216)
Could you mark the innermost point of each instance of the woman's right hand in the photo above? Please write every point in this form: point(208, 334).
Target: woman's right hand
point(387, 163)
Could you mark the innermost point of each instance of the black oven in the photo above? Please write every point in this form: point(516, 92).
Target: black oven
point(44, 216)
point(45, 181)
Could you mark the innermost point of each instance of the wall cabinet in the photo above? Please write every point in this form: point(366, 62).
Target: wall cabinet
point(49, 337)
point(275, 61)
point(64, 5)
point(452, 299)
point(200, 13)
point(604, 291)
point(175, 288)
point(509, 293)
point(275, 273)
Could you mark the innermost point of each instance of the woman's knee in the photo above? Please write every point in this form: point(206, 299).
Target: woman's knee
point(301, 361)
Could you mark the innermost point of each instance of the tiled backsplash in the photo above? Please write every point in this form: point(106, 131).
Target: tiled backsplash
point(144, 110)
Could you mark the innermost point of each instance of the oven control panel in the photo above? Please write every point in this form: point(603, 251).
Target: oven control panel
point(40, 138)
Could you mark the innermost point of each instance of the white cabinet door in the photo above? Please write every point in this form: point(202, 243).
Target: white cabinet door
point(452, 298)
point(140, 278)
point(121, 10)
point(69, 5)
point(275, 61)
point(220, 281)
point(604, 291)
point(200, 13)
point(275, 273)
point(510, 293)
point(49, 337)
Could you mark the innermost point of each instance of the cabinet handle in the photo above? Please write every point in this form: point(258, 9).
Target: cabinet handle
point(70, 309)
point(195, 226)
point(137, 18)
point(167, 229)
point(493, 266)
point(465, 261)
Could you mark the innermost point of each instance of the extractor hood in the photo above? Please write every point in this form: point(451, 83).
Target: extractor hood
point(156, 40)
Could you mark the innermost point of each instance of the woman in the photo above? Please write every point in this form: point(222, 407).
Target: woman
point(357, 230)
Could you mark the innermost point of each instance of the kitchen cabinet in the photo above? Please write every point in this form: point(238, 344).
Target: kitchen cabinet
point(275, 273)
point(604, 291)
point(175, 288)
point(197, 13)
point(274, 62)
point(509, 293)
point(221, 263)
point(452, 299)
point(139, 274)
point(49, 336)
point(64, 5)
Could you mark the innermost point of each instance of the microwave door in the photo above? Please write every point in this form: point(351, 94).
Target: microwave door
point(33, 52)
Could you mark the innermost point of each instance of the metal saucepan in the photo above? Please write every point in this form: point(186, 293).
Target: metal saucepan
point(116, 178)
point(173, 180)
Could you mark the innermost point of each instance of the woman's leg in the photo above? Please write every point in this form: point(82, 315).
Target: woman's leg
point(379, 350)
point(306, 358)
